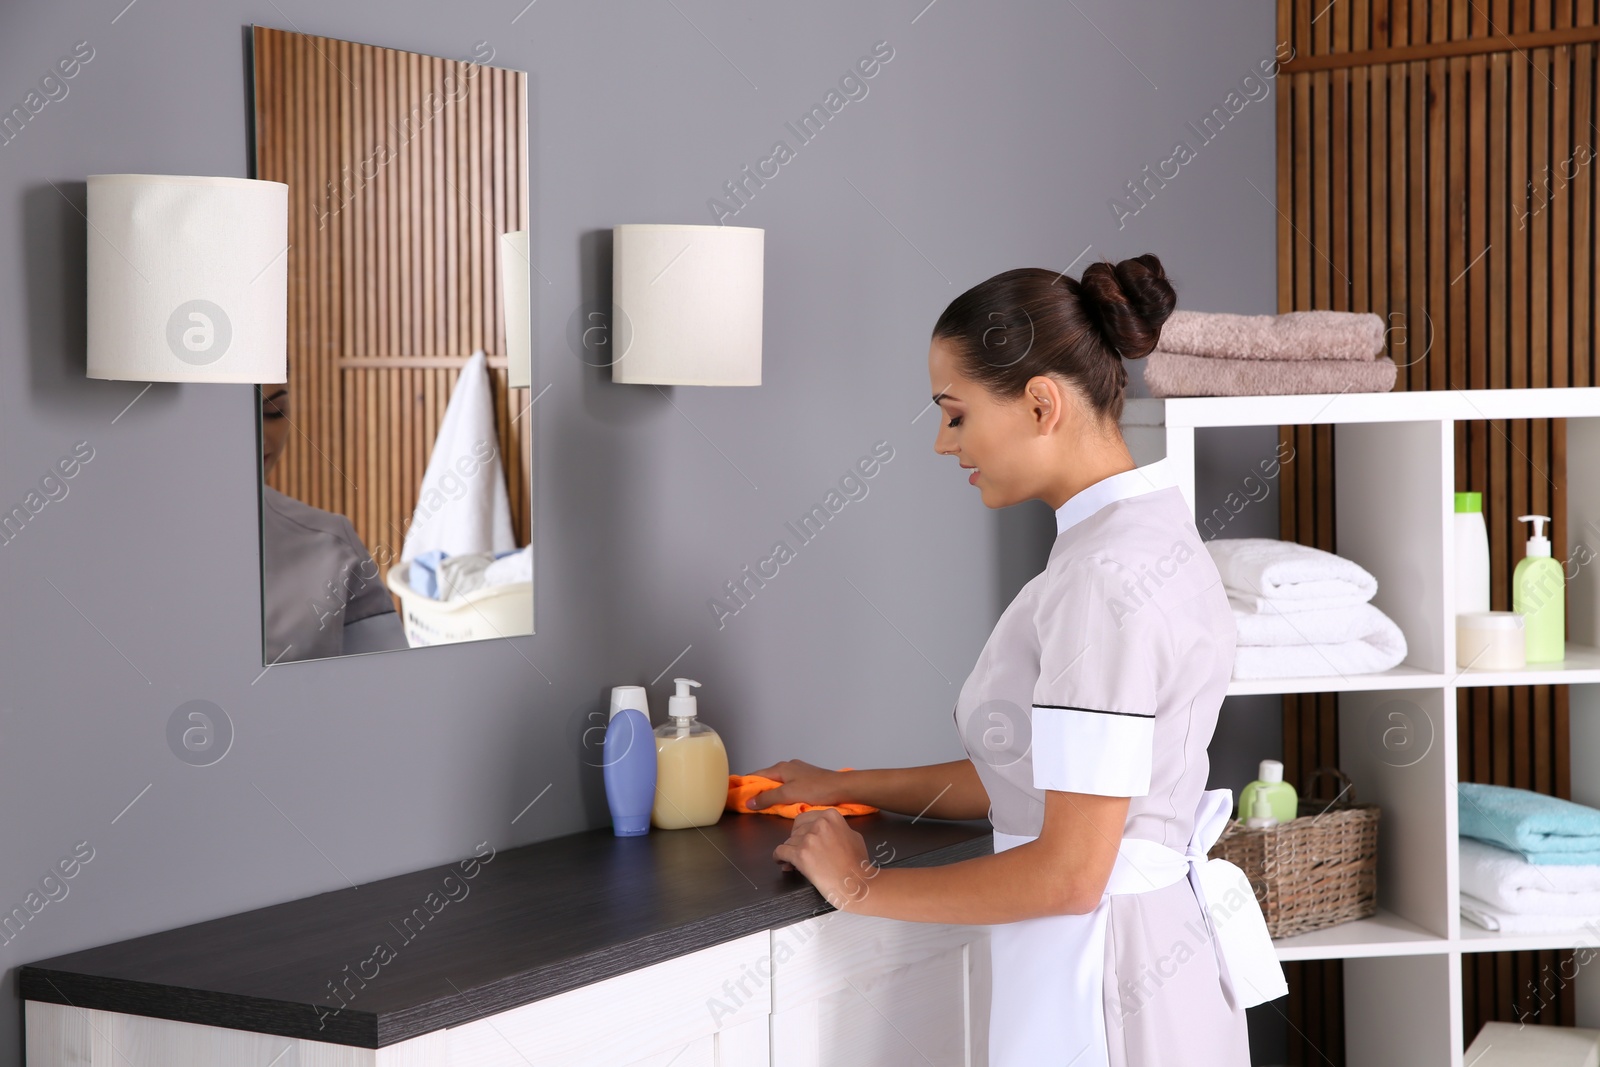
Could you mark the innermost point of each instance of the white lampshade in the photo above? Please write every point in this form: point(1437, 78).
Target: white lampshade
point(514, 278)
point(686, 304)
point(188, 278)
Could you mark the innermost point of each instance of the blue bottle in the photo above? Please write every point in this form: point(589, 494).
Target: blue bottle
point(629, 753)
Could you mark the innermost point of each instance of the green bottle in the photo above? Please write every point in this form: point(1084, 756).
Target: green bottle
point(1538, 593)
point(1281, 797)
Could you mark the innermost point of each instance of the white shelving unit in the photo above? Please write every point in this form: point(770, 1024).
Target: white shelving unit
point(1395, 463)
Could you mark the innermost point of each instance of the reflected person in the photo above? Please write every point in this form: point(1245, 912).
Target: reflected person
point(321, 593)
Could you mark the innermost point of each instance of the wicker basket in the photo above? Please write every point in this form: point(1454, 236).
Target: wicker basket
point(1320, 869)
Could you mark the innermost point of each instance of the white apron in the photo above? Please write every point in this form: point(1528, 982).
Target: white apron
point(1048, 1007)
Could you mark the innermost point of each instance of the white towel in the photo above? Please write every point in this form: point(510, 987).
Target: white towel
point(1274, 627)
point(460, 575)
point(1490, 917)
point(462, 506)
point(1502, 879)
point(517, 567)
point(1261, 573)
point(1377, 652)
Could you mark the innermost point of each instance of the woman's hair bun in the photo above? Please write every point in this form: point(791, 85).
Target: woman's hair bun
point(1128, 302)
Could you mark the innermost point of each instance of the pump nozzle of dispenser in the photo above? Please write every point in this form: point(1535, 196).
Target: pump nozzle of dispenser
point(682, 704)
point(1538, 544)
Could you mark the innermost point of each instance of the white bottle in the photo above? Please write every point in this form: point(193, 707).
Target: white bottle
point(1261, 817)
point(1472, 555)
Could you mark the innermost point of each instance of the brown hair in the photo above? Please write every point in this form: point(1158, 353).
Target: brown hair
point(1032, 321)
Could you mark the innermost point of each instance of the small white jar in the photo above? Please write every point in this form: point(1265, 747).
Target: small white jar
point(1490, 641)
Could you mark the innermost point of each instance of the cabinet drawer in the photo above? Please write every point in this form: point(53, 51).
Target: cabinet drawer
point(674, 1005)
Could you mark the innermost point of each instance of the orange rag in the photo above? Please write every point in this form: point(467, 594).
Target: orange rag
point(741, 787)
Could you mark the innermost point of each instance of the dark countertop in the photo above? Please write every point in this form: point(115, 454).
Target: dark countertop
point(527, 923)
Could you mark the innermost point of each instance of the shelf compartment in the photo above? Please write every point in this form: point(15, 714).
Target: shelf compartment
point(1383, 934)
point(1475, 938)
point(1581, 666)
point(1404, 676)
point(1457, 405)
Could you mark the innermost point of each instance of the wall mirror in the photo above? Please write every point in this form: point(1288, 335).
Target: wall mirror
point(394, 462)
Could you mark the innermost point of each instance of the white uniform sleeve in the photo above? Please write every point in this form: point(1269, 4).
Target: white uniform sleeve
point(1094, 702)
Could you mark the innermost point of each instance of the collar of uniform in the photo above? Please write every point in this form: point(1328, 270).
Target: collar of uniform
point(1140, 480)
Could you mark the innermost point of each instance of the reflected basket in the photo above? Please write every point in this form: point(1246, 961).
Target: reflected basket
point(493, 611)
point(1317, 870)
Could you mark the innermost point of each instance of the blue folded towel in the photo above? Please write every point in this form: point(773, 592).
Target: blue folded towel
point(1543, 829)
point(424, 576)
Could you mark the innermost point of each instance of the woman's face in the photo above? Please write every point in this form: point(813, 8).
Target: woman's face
point(998, 440)
point(274, 425)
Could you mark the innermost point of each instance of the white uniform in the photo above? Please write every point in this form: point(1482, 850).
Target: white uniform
point(1105, 675)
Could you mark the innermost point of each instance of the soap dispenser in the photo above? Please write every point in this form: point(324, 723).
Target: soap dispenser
point(691, 766)
point(1538, 593)
point(1283, 803)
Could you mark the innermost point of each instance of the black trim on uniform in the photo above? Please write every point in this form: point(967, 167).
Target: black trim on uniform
point(1098, 711)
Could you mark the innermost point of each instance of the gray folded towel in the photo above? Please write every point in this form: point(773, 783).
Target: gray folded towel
point(1174, 374)
point(1308, 335)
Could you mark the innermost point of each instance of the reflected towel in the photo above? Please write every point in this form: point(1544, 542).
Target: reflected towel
point(1544, 829)
point(462, 504)
point(1263, 574)
point(1294, 335)
point(1174, 374)
point(1490, 917)
point(1502, 879)
point(741, 787)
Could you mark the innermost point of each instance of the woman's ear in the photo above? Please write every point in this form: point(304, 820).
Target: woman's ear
point(1046, 401)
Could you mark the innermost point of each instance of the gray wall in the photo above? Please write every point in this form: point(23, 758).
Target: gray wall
point(994, 138)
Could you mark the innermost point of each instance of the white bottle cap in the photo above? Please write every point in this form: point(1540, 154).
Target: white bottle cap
point(1538, 544)
point(624, 697)
point(681, 705)
point(1271, 771)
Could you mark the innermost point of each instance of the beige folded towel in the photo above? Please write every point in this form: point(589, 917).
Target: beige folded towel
point(1308, 335)
point(1173, 374)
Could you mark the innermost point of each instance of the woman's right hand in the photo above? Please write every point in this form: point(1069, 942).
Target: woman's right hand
point(802, 783)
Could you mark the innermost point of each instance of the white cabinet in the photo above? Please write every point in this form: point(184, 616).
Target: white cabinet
point(863, 990)
point(693, 1007)
point(833, 989)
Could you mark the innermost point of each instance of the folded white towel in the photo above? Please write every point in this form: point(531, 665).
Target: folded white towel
point(1328, 626)
point(1261, 573)
point(1503, 879)
point(1376, 652)
point(1490, 917)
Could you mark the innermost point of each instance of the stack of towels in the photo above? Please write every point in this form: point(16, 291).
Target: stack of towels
point(1530, 863)
point(1301, 611)
point(1204, 353)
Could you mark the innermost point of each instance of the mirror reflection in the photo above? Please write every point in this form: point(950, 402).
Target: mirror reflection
point(395, 503)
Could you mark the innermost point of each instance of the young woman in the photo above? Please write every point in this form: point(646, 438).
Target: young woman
point(1087, 716)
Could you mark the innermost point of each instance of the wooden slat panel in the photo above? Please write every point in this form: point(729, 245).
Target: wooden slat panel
point(1408, 136)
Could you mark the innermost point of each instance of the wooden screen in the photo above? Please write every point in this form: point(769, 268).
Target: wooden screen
point(403, 170)
point(1435, 165)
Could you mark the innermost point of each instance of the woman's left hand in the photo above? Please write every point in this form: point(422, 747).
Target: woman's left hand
point(829, 853)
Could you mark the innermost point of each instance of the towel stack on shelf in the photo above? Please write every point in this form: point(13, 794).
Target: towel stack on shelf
point(1209, 354)
point(1530, 863)
point(1301, 611)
